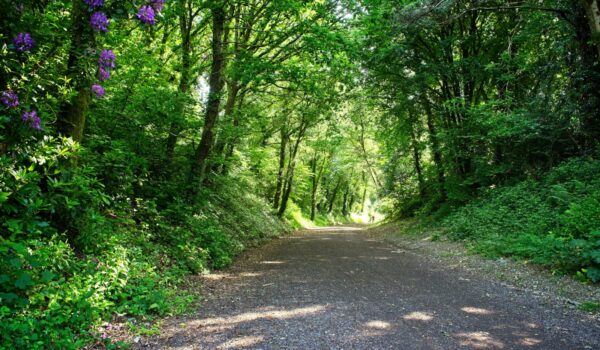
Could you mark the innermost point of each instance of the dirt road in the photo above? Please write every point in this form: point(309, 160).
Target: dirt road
point(335, 288)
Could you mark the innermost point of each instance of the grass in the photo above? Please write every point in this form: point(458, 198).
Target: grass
point(590, 306)
point(552, 222)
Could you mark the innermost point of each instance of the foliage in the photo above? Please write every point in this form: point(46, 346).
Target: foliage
point(143, 141)
point(107, 201)
point(55, 286)
point(480, 115)
point(590, 306)
point(553, 222)
point(474, 95)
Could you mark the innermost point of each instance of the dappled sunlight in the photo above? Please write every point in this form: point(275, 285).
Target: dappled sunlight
point(242, 342)
point(265, 313)
point(477, 311)
point(479, 340)
point(375, 328)
point(324, 294)
point(526, 338)
point(220, 276)
point(336, 229)
point(304, 222)
point(530, 341)
point(463, 323)
point(251, 274)
point(378, 325)
point(418, 316)
point(216, 276)
point(272, 262)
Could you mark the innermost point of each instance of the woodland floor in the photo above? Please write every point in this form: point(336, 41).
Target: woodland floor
point(341, 288)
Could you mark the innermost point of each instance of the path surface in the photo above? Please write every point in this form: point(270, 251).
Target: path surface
point(337, 289)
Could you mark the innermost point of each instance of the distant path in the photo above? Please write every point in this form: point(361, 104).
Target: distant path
point(334, 288)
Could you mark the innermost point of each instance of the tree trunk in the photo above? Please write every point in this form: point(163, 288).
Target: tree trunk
point(592, 10)
point(333, 196)
point(287, 190)
point(185, 27)
point(364, 200)
point(344, 203)
point(71, 121)
point(214, 95)
point(227, 143)
point(289, 179)
point(313, 194)
point(366, 155)
point(587, 28)
point(279, 184)
point(417, 160)
point(224, 135)
point(316, 179)
point(435, 149)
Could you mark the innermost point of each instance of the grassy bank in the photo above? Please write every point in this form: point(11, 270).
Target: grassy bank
point(58, 290)
point(553, 221)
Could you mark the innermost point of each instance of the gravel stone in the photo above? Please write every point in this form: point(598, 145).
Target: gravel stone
point(338, 288)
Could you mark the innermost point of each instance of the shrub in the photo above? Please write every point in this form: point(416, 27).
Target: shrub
point(73, 253)
point(554, 222)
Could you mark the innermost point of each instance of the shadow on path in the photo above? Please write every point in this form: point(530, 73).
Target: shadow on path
point(333, 288)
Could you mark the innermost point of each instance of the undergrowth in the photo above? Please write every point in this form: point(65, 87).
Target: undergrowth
point(76, 249)
point(298, 219)
point(553, 221)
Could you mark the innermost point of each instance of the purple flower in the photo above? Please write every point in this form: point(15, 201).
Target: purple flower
point(104, 74)
point(107, 59)
point(98, 90)
point(146, 15)
point(10, 99)
point(32, 119)
point(157, 5)
point(99, 22)
point(94, 3)
point(23, 42)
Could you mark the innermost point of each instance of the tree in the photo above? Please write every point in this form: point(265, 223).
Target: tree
point(215, 88)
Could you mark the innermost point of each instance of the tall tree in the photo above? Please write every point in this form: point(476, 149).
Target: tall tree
point(215, 89)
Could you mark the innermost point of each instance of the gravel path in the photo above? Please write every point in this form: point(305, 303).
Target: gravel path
point(335, 288)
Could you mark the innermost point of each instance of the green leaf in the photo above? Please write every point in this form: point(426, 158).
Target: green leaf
point(4, 196)
point(19, 248)
point(72, 203)
point(9, 297)
point(47, 276)
point(16, 263)
point(595, 255)
point(593, 273)
point(24, 281)
point(14, 225)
